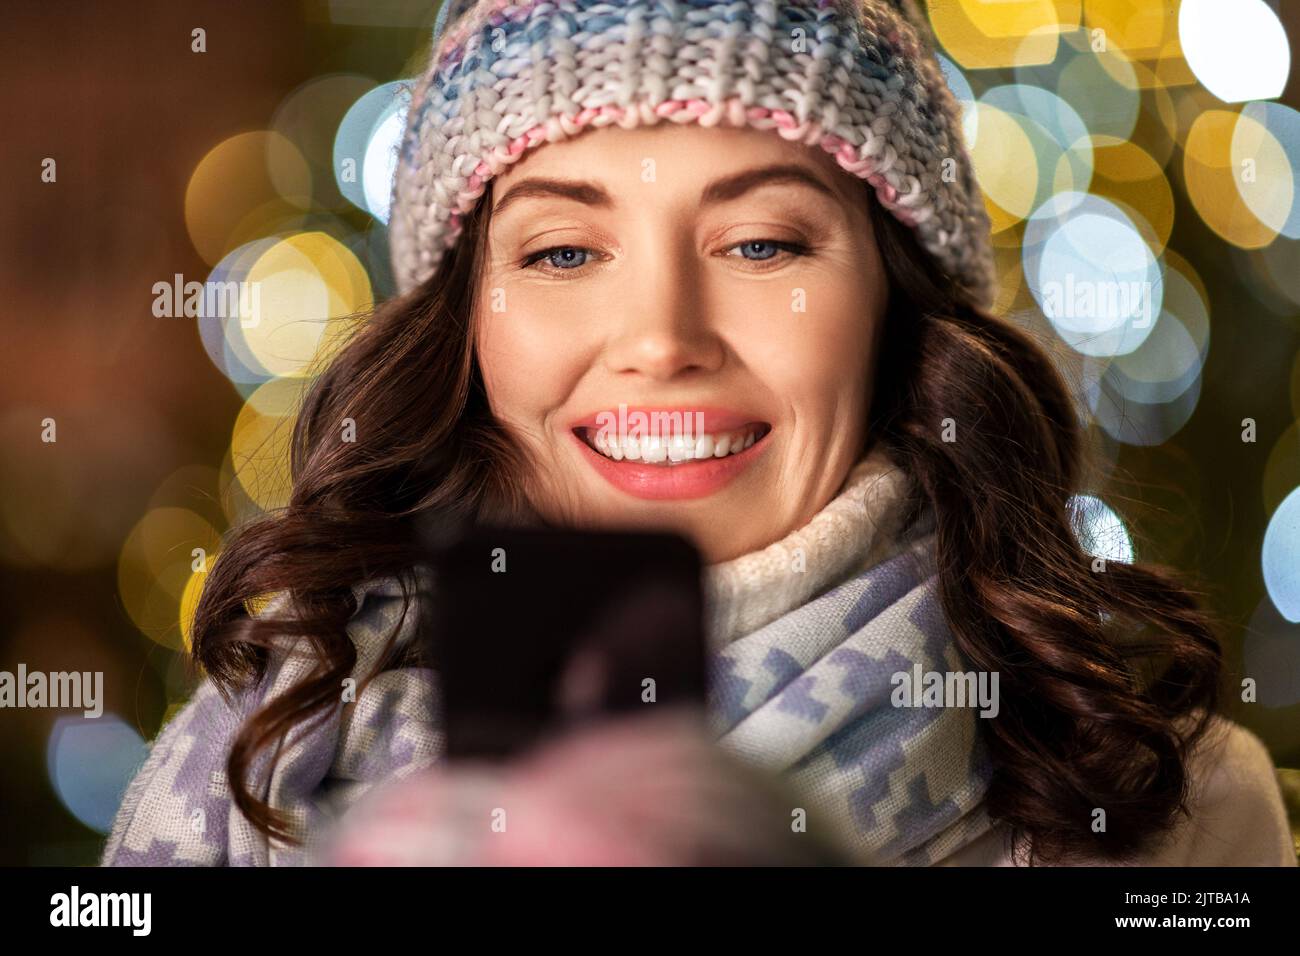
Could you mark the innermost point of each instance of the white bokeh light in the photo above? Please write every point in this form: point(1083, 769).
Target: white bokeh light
point(1101, 532)
point(1092, 274)
point(367, 144)
point(381, 163)
point(1237, 48)
point(1281, 557)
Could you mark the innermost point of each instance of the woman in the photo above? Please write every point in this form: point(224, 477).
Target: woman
point(879, 478)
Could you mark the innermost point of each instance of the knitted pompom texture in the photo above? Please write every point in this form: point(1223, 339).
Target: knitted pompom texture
point(859, 79)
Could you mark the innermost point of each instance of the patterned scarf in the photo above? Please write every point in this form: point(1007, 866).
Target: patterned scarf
point(808, 693)
point(810, 696)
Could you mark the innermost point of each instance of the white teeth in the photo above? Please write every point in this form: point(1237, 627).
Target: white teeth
point(674, 449)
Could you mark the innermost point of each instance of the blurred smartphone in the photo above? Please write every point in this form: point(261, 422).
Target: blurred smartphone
point(534, 632)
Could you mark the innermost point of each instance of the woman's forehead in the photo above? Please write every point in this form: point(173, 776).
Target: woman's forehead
point(687, 156)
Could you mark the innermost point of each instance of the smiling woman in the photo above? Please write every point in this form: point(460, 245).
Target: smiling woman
point(879, 471)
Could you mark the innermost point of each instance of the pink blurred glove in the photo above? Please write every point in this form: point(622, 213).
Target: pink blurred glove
point(648, 790)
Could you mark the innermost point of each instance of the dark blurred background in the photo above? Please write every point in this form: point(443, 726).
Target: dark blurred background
point(1152, 141)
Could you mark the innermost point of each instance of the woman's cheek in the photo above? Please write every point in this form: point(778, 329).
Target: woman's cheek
point(525, 363)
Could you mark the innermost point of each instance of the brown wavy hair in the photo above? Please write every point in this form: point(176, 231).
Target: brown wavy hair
point(1107, 679)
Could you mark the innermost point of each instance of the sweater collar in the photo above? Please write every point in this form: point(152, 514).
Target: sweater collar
point(856, 530)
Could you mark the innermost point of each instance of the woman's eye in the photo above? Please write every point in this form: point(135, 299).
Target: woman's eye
point(559, 258)
point(761, 250)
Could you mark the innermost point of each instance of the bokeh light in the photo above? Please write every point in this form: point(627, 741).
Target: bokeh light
point(1101, 532)
point(1133, 422)
point(309, 117)
point(1211, 176)
point(1006, 166)
point(365, 148)
point(1134, 29)
point(155, 565)
point(1103, 90)
point(1237, 48)
point(306, 289)
point(246, 186)
point(1092, 273)
point(965, 96)
point(1266, 152)
point(90, 761)
point(1061, 157)
point(1281, 558)
point(1130, 177)
point(981, 35)
point(260, 442)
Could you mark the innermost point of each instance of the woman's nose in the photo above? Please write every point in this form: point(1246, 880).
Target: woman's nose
point(666, 323)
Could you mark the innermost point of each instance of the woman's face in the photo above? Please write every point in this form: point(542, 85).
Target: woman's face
point(654, 299)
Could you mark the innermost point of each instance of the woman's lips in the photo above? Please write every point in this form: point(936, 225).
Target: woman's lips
point(693, 478)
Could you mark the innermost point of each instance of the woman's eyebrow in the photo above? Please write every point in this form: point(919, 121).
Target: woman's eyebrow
point(736, 185)
point(587, 193)
point(720, 190)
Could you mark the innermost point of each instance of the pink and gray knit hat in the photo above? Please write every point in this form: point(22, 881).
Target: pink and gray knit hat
point(856, 77)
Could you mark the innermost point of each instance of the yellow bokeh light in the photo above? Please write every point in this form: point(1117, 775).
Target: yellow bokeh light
point(190, 601)
point(155, 566)
point(1006, 167)
point(307, 289)
point(242, 189)
point(1190, 103)
point(1137, 28)
point(1019, 18)
point(1264, 178)
point(981, 35)
point(260, 443)
point(1010, 278)
point(1171, 67)
point(1211, 178)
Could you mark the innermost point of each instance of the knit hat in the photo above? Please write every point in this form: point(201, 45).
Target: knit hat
point(856, 77)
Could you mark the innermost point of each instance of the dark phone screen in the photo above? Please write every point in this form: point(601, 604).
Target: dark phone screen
point(536, 631)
